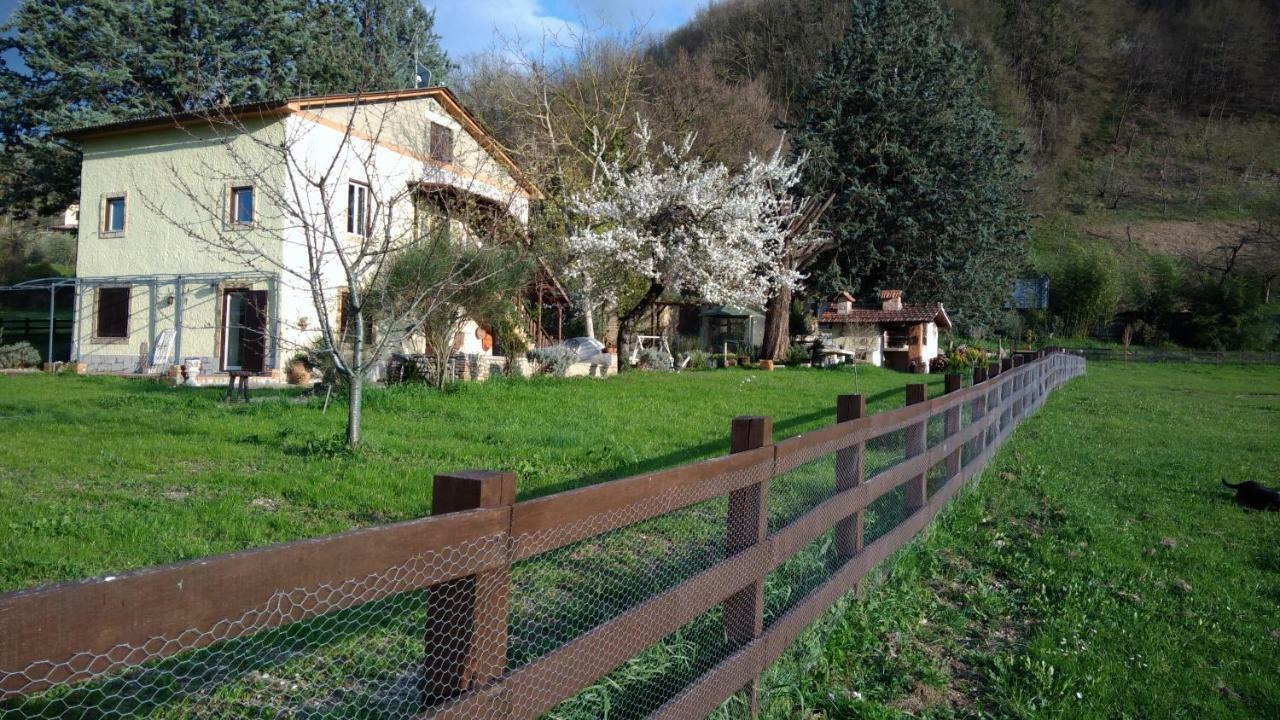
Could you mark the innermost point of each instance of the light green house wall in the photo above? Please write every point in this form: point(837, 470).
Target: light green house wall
point(176, 183)
point(179, 251)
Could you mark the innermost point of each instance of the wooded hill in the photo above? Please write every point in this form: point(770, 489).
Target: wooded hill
point(1151, 132)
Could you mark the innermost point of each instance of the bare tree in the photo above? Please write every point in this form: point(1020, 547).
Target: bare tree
point(801, 246)
point(339, 193)
point(1255, 251)
point(555, 104)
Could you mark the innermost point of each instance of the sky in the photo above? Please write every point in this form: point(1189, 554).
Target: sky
point(470, 26)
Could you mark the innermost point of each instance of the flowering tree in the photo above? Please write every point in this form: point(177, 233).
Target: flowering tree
point(671, 223)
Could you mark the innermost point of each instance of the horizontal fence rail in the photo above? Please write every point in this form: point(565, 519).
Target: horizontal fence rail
point(662, 595)
point(1209, 357)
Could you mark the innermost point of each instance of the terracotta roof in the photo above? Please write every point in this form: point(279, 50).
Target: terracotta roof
point(284, 106)
point(908, 314)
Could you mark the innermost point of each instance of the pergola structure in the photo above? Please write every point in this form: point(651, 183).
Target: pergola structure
point(52, 285)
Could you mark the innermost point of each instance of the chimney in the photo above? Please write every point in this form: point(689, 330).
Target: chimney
point(843, 303)
point(890, 299)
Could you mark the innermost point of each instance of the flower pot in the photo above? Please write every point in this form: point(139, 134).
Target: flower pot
point(766, 365)
point(298, 373)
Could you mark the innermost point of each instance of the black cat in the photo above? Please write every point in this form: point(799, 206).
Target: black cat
point(1254, 495)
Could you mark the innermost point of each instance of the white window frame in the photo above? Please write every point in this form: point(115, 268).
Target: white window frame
point(234, 206)
point(104, 219)
point(359, 205)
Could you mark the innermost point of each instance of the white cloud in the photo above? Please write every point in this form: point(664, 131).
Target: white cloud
point(471, 26)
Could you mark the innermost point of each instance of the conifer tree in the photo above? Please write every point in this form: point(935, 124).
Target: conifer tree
point(926, 179)
point(94, 61)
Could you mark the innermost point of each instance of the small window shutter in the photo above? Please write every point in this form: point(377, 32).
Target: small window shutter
point(441, 143)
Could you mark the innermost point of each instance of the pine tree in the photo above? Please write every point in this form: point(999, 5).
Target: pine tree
point(926, 178)
point(95, 61)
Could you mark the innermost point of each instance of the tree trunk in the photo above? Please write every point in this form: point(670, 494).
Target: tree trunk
point(588, 312)
point(627, 322)
point(354, 406)
point(355, 383)
point(777, 326)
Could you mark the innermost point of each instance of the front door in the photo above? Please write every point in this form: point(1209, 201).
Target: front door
point(244, 330)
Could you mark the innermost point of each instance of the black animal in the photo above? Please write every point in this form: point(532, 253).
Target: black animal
point(1255, 495)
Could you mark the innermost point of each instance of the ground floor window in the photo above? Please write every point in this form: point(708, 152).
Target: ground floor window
point(113, 312)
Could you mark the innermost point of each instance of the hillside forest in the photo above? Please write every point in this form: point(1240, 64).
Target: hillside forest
point(1127, 151)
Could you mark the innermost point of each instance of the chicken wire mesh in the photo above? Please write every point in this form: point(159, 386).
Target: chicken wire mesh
point(392, 644)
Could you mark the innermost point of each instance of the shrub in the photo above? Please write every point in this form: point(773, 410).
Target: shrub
point(939, 364)
point(965, 358)
point(1084, 292)
point(18, 355)
point(799, 354)
point(554, 360)
point(698, 360)
point(656, 360)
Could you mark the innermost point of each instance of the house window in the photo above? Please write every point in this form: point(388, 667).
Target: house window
point(358, 209)
point(113, 312)
point(113, 214)
point(441, 143)
point(242, 205)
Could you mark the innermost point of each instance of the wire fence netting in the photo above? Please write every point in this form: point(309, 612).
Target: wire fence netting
point(611, 616)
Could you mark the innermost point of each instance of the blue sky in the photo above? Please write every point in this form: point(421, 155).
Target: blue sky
point(469, 26)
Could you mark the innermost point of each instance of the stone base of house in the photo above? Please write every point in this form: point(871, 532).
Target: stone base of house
point(111, 364)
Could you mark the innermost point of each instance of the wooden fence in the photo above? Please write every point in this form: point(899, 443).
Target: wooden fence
point(87, 631)
point(1210, 357)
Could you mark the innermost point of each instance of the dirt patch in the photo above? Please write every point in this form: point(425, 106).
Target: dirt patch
point(1171, 237)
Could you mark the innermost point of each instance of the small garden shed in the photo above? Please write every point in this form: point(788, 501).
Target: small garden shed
point(888, 333)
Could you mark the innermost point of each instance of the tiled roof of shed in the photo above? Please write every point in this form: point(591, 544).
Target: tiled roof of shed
point(908, 314)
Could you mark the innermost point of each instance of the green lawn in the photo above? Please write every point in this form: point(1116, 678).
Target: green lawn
point(1097, 571)
point(101, 474)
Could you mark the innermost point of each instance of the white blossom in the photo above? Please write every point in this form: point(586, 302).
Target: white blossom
point(687, 227)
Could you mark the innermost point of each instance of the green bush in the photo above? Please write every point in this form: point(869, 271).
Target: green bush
point(799, 354)
point(18, 355)
point(554, 360)
point(656, 360)
point(966, 357)
point(698, 360)
point(1084, 292)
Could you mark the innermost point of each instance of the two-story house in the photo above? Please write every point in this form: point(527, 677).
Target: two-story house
point(209, 236)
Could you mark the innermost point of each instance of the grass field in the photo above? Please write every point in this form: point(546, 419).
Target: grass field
point(101, 474)
point(1097, 571)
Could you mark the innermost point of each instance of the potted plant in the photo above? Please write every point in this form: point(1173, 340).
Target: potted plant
point(299, 371)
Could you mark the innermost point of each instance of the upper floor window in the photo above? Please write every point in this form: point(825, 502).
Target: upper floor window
point(358, 209)
point(242, 205)
point(113, 214)
point(441, 143)
point(113, 312)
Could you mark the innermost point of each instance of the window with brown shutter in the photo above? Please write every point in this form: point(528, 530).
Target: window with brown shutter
point(113, 312)
point(441, 143)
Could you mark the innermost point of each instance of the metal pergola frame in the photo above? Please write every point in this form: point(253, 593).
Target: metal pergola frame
point(57, 283)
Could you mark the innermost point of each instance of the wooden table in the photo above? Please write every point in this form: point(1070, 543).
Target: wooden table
point(243, 376)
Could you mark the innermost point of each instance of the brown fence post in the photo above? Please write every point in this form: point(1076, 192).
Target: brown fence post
point(1019, 383)
point(466, 634)
point(916, 437)
point(952, 426)
point(748, 524)
point(849, 474)
point(979, 411)
point(994, 395)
